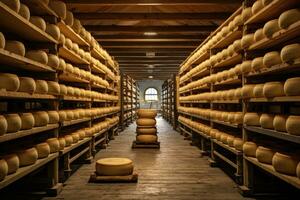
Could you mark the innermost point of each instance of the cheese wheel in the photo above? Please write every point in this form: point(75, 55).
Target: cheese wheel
point(273, 89)
point(146, 138)
point(37, 55)
point(69, 140)
point(223, 138)
point(146, 131)
point(70, 115)
point(258, 90)
point(59, 8)
point(247, 40)
point(43, 150)
point(62, 64)
point(290, 53)
point(63, 89)
point(246, 14)
point(53, 117)
point(293, 125)
point(62, 39)
point(3, 125)
point(41, 87)
point(62, 143)
point(246, 66)
point(252, 119)
point(53, 88)
point(13, 162)
point(259, 35)
point(41, 118)
point(9, 82)
point(238, 144)
point(247, 91)
point(270, 28)
point(266, 2)
point(2, 41)
point(238, 93)
point(14, 123)
point(27, 156)
point(69, 18)
point(237, 21)
point(62, 116)
point(230, 140)
point(145, 122)
point(27, 85)
point(266, 121)
point(288, 18)
point(257, 64)
point(53, 144)
point(53, 30)
point(279, 123)
point(3, 169)
point(27, 121)
point(298, 170)
point(76, 25)
point(39, 22)
point(146, 113)
point(114, 167)
point(238, 118)
point(291, 86)
point(82, 133)
point(285, 163)
point(12, 4)
point(249, 149)
point(15, 47)
point(75, 137)
point(24, 11)
point(264, 155)
point(272, 58)
point(257, 6)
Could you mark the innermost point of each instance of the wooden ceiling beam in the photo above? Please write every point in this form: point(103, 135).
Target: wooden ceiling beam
point(143, 64)
point(141, 55)
point(149, 58)
point(151, 49)
point(143, 38)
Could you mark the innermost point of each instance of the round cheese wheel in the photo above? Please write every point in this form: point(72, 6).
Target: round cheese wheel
point(266, 121)
point(24, 11)
point(53, 88)
point(114, 167)
point(279, 123)
point(62, 143)
point(249, 149)
point(285, 163)
point(291, 86)
point(238, 93)
point(298, 170)
point(62, 39)
point(252, 119)
point(53, 117)
point(237, 45)
point(237, 21)
point(2, 41)
point(238, 144)
point(264, 155)
point(247, 40)
point(272, 58)
point(62, 64)
point(247, 91)
point(27, 85)
point(288, 18)
point(266, 2)
point(62, 116)
point(270, 28)
point(293, 125)
point(146, 113)
point(59, 8)
point(76, 25)
point(146, 122)
point(39, 22)
point(27, 156)
point(223, 138)
point(70, 115)
point(3, 125)
point(290, 53)
point(12, 4)
point(9, 82)
point(69, 43)
point(53, 30)
point(246, 14)
point(15, 47)
point(257, 6)
point(3, 169)
point(43, 150)
point(53, 144)
point(82, 133)
point(273, 89)
point(75, 137)
point(238, 118)
point(69, 140)
point(246, 66)
point(41, 118)
point(13, 162)
point(146, 131)
point(27, 121)
point(69, 18)
point(37, 55)
point(14, 123)
point(41, 87)
point(258, 90)
point(146, 138)
point(259, 35)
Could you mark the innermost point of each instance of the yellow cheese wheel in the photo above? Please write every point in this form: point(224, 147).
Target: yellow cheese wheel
point(293, 125)
point(237, 45)
point(246, 66)
point(14, 123)
point(230, 140)
point(291, 86)
point(223, 138)
point(27, 156)
point(264, 155)
point(69, 140)
point(75, 137)
point(24, 11)
point(258, 90)
point(238, 144)
point(76, 25)
point(53, 117)
point(238, 118)
point(270, 28)
point(298, 170)
point(247, 91)
point(285, 163)
point(259, 35)
point(63, 89)
point(146, 122)
point(2, 41)
point(27, 121)
point(82, 133)
point(53, 88)
point(146, 131)
point(62, 64)
point(272, 58)
point(288, 18)
point(62, 115)
point(3, 125)
point(53, 144)
point(249, 149)
point(114, 167)
point(237, 21)
point(62, 39)
point(27, 85)
point(266, 121)
point(252, 119)
point(273, 89)
point(247, 40)
point(146, 138)
point(62, 143)
point(53, 30)
point(9, 82)
point(16, 47)
point(43, 150)
point(59, 8)
point(13, 162)
point(41, 87)
point(41, 118)
point(3, 169)
point(39, 22)
point(257, 6)
point(12, 4)
point(70, 115)
point(69, 18)
point(37, 55)
point(279, 123)
point(246, 14)
point(69, 43)
point(290, 53)
point(146, 113)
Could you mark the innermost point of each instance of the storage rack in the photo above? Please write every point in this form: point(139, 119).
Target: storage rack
point(15, 102)
point(247, 169)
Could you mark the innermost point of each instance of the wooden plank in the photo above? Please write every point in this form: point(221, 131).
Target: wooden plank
point(229, 39)
point(232, 81)
point(96, 54)
point(232, 164)
point(75, 121)
point(225, 146)
point(204, 101)
point(72, 78)
point(100, 141)
point(195, 130)
point(231, 61)
point(70, 98)
point(226, 124)
point(276, 99)
point(133, 178)
point(22, 95)
point(74, 146)
point(201, 88)
point(226, 101)
point(79, 154)
point(24, 133)
point(39, 8)
point(194, 115)
point(71, 56)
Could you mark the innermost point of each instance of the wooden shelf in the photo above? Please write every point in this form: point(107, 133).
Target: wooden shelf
point(22, 95)
point(23, 133)
point(23, 171)
point(97, 69)
point(104, 115)
point(276, 99)
point(229, 39)
point(71, 56)
point(231, 61)
point(226, 102)
point(227, 124)
point(194, 115)
point(38, 7)
point(185, 130)
point(76, 121)
point(20, 26)
point(197, 131)
point(74, 146)
point(202, 88)
point(225, 146)
point(225, 159)
point(14, 61)
point(96, 54)
point(71, 78)
point(101, 132)
point(275, 134)
point(295, 181)
point(232, 81)
point(194, 101)
point(70, 98)
point(93, 85)
point(272, 11)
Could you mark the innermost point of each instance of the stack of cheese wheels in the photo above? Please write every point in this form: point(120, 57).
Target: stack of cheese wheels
point(146, 126)
point(114, 167)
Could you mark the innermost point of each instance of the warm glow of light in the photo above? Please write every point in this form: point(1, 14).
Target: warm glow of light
point(151, 66)
point(150, 33)
point(150, 76)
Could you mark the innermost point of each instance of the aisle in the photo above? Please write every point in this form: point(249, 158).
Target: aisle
point(174, 172)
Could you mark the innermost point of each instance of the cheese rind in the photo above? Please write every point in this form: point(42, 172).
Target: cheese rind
point(114, 167)
point(3, 169)
point(14, 123)
point(43, 150)
point(27, 121)
point(16, 47)
point(273, 89)
point(266, 121)
point(41, 87)
point(59, 8)
point(24, 11)
point(264, 155)
point(252, 119)
point(27, 85)
point(38, 22)
point(293, 125)
point(53, 30)
point(146, 122)
point(288, 18)
point(249, 149)
point(41, 118)
point(279, 123)
point(2, 41)
point(285, 163)
point(290, 53)
point(27, 156)
point(12, 4)
point(9, 82)
point(53, 144)
point(272, 58)
point(13, 162)
point(3, 125)
point(270, 28)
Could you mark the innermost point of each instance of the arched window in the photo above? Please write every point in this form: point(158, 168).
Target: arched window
point(151, 94)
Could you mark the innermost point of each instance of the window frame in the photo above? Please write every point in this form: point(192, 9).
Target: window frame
point(151, 94)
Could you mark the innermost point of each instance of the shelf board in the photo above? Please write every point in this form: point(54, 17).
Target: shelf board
point(275, 134)
point(194, 101)
point(295, 181)
point(232, 81)
point(76, 121)
point(93, 85)
point(70, 98)
point(74, 146)
point(71, 56)
point(202, 88)
point(23, 133)
point(225, 146)
point(96, 54)
point(197, 131)
point(22, 95)
point(219, 155)
point(71, 78)
point(271, 11)
point(231, 61)
point(100, 133)
point(229, 39)
point(96, 69)
point(104, 115)
point(194, 115)
point(226, 102)
point(38, 7)
point(277, 99)
point(78, 155)
point(15, 61)
point(226, 124)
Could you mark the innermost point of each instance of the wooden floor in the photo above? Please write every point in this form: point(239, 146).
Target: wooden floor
point(175, 171)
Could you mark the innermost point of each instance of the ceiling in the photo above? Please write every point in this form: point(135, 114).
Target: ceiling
point(151, 37)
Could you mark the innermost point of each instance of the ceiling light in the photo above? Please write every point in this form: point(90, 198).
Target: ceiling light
point(151, 66)
point(150, 33)
point(150, 54)
point(150, 76)
point(150, 70)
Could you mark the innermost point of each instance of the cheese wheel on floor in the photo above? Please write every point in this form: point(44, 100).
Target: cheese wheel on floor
point(146, 131)
point(291, 86)
point(39, 22)
point(41, 118)
point(290, 53)
point(293, 125)
point(266, 121)
point(3, 169)
point(14, 123)
point(53, 117)
point(2, 41)
point(69, 18)
point(24, 11)
point(258, 90)
point(15, 47)
point(27, 85)
point(43, 150)
point(12, 4)
point(13, 162)
point(285, 163)
point(59, 8)
point(264, 155)
point(247, 40)
point(146, 122)
point(259, 35)
point(273, 89)
point(146, 113)
point(114, 167)
point(288, 18)
point(53, 30)
point(27, 156)
point(272, 58)
point(249, 149)
point(3, 125)
point(270, 28)
point(146, 138)
point(41, 87)
point(257, 6)
point(53, 144)
point(238, 144)
point(9, 82)
point(252, 119)
point(53, 88)
point(27, 121)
